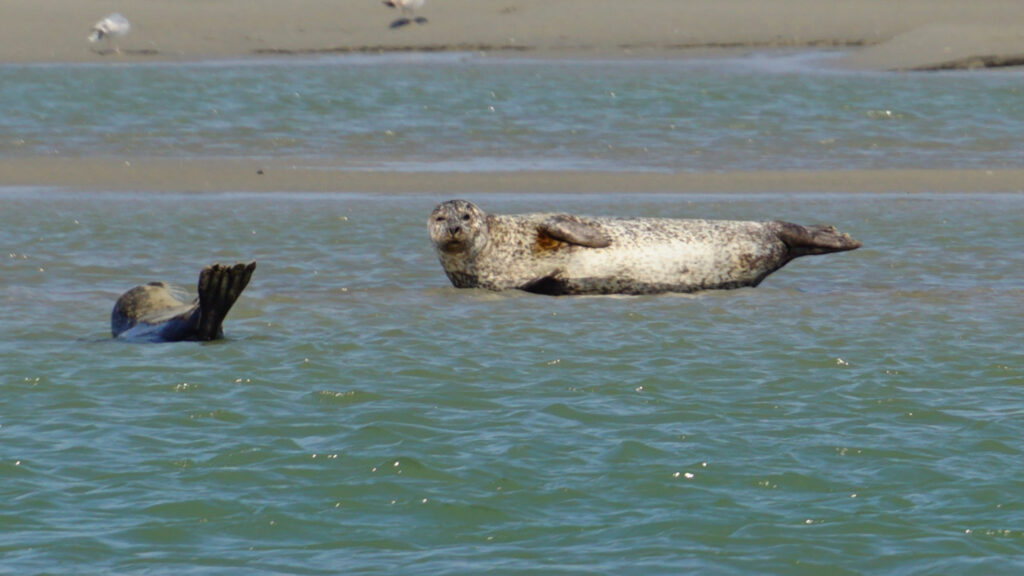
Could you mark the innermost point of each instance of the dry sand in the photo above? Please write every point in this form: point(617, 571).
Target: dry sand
point(887, 33)
point(879, 34)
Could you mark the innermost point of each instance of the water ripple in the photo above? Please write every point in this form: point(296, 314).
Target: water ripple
point(860, 412)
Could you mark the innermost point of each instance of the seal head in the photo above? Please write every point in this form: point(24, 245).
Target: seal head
point(458, 227)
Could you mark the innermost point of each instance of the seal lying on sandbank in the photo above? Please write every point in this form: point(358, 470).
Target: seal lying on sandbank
point(155, 312)
point(561, 254)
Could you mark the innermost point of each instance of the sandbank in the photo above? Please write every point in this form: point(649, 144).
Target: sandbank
point(873, 34)
point(244, 175)
point(883, 34)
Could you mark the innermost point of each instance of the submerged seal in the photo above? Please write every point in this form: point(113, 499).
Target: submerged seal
point(156, 312)
point(561, 254)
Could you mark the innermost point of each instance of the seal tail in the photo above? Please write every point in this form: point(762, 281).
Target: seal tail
point(817, 239)
point(219, 286)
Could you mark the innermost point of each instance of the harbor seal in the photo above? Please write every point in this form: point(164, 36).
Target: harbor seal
point(155, 312)
point(562, 254)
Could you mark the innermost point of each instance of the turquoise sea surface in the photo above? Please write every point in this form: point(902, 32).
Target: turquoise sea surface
point(856, 413)
point(465, 112)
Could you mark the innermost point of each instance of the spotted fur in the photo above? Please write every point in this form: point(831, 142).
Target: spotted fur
point(560, 254)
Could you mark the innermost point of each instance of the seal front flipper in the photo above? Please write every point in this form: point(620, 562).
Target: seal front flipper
point(574, 230)
point(219, 288)
point(552, 285)
point(818, 239)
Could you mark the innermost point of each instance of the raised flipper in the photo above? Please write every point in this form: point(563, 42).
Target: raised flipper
point(574, 230)
point(219, 286)
point(817, 239)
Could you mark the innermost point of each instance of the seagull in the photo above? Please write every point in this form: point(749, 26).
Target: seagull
point(113, 26)
point(407, 7)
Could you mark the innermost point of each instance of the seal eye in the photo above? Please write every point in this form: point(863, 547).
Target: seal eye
point(439, 219)
point(465, 217)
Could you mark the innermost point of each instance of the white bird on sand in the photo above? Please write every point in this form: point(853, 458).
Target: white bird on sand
point(113, 26)
point(407, 7)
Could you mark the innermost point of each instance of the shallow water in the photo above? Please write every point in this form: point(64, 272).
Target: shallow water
point(466, 112)
point(858, 412)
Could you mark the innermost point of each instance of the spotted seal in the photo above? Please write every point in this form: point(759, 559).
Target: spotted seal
point(560, 254)
point(158, 313)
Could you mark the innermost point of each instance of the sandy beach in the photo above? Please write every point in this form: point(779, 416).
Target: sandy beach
point(903, 34)
point(877, 34)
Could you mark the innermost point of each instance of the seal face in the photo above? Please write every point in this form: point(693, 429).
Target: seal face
point(156, 312)
point(560, 254)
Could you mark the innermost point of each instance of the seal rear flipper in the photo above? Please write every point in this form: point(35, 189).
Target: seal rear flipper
point(575, 230)
point(817, 239)
point(219, 287)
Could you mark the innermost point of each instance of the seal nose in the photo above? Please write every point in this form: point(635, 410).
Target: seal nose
point(454, 229)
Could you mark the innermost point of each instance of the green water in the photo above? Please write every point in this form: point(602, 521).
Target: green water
point(459, 112)
point(856, 413)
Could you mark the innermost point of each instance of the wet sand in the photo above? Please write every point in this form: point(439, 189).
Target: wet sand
point(164, 174)
point(877, 34)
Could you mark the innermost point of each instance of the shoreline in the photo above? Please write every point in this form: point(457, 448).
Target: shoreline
point(881, 34)
point(269, 176)
point(873, 35)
